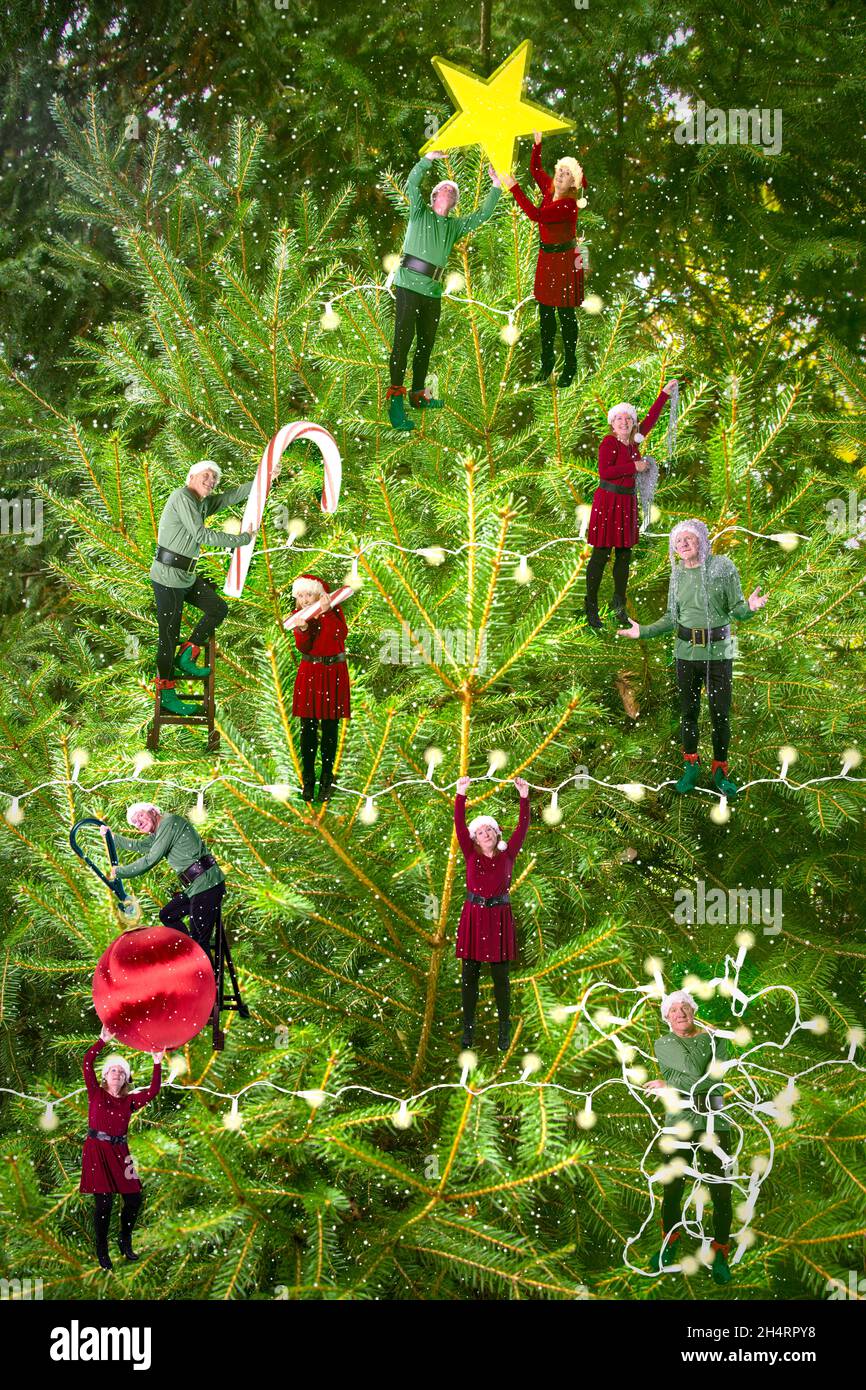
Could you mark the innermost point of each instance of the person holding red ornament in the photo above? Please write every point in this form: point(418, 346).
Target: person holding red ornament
point(558, 287)
point(321, 696)
point(613, 520)
point(106, 1163)
point(486, 931)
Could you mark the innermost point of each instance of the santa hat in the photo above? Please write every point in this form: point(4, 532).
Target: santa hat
point(578, 177)
point(445, 183)
point(476, 824)
point(205, 466)
point(699, 530)
point(137, 807)
point(624, 409)
point(679, 996)
point(116, 1061)
point(309, 581)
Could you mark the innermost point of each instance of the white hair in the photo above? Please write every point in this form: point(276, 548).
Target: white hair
point(445, 183)
point(205, 466)
point(679, 996)
point(116, 1061)
point(137, 807)
point(698, 530)
point(476, 824)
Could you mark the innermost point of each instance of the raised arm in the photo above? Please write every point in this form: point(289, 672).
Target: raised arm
point(90, 1056)
point(464, 839)
point(140, 1098)
point(536, 168)
point(413, 186)
point(653, 414)
point(512, 849)
point(474, 219)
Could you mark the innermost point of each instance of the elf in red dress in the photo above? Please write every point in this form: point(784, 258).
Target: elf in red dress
point(486, 930)
point(322, 684)
point(613, 521)
point(559, 269)
point(106, 1163)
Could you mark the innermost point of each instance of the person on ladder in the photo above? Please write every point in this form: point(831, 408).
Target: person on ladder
point(321, 695)
point(176, 839)
point(182, 533)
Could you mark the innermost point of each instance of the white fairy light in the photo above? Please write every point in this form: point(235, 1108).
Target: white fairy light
point(786, 540)
point(14, 812)
point(314, 1098)
point(280, 791)
point(497, 759)
point(233, 1120)
point(141, 762)
point(330, 319)
point(510, 333)
point(745, 941)
point(80, 759)
point(48, 1120)
point(635, 791)
point(296, 528)
point(522, 573)
point(653, 966)
point(391, 262)
point(592, 304)
point(587, 1118)
point(851, 758)
point(403, 1117)
point(787, 757)
point(552, 814)
point(178, 1067)
point(198, 815)
point(818, 1025)
point(720, 814)
point(531, 1064)
point(468, 1062)
point(454, 283)
point(369, 812)
point(433, 554)
point(856, 1038)
point(432, 757)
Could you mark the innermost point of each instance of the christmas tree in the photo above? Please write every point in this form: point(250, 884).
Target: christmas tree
point(468, 656)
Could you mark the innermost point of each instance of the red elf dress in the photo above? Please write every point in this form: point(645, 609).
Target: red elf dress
point(487, 933)
point(322, 682)
point(109, 1167)
point(558, 275)
point(613, 520)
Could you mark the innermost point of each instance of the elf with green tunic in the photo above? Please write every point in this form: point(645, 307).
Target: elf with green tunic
point(684, 1056)
point(430, 237)
point(704, 595)
point(175, 839)
point(182, 533)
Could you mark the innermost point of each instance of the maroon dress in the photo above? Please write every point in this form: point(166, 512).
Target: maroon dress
point(322, 688)
point(558, 274)
point(487, 933)
point(613, 520)
point(108, 1167)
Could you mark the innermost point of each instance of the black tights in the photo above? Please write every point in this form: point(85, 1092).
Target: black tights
point(469, 990)
point(310, 743)
point(595, 569)
point(718, 677)
point(719, 1191)
point(547, 324)
point(169, 615)
point(416, 316)
point(102, 1204)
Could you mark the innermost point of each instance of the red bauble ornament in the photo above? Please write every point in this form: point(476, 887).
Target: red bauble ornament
point(154, 988)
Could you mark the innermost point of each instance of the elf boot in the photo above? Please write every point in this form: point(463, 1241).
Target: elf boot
point(420, 401)
point(691, 774)
point(667, 1255)
point(721, 1270)
point(326, 786)
point(395, 397)
point(103, 1256)
point(721, 780)
point(186, 662)
point(590, 608)
point(568, 373)
point(128, 1215)
point(169, 702)
point(619, 608)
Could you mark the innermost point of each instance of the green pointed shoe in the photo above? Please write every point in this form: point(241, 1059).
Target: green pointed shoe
point(721, 1270)
point(690, 778)
point(185, 664)
point(170, 704)
point(722, 783)
point(419, 401)
point(396, 399)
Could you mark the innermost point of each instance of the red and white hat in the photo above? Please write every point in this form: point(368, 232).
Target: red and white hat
point(309, 581)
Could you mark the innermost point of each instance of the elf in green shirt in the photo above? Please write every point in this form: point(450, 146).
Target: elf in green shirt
point(703, 596)
point(182, 533)
point(684, 1056)
point(175, 839)
point(430, 237)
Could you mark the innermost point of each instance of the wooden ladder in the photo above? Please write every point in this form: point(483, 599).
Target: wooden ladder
point(203, 696)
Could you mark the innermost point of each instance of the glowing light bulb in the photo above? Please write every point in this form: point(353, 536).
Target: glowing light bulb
point(330, 318)
point(233, 1120)
point(314, 1098)
point(551, 814)
point(633, 790)
point(592, 304)
point(851, 758)
point(369, 812)
point(280, 791)
point(522, 573)
point(531, 1063)
point(587, 1118)
point(48, 1120)
point(14, 813)
point(454, 283)
point(177, 1068)
point(141, 762)
point(510, 333)
point(80, 759)
point(787, 757)
point(432, 757)
point(433, 554)
point(403, 1117)
point(496, 761)
point(391, 262)
point(721, 814)
point(295, 529)
point(745, 941)
point(468, 1062)
point(198, 815)
point(786, 540)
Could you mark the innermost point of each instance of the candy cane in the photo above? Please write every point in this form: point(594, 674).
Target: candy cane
point(315, 610)
point(333, 477)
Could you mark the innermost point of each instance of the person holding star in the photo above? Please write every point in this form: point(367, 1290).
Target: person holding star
point(558, 286)
point(430, 237)
point(704, 595)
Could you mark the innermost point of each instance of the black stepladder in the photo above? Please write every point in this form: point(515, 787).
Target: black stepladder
point(203, 696)
point(222, 962)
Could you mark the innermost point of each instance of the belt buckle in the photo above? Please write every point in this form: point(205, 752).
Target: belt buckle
point(695, 641)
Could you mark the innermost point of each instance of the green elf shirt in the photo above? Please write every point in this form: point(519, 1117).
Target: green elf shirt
point(708, 595)
point(182, 529)
point(683, 1063)
point(175, 839)
point(431, 237)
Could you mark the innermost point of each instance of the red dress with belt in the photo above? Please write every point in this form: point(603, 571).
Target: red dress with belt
point(108, 1167)
point(487, 933)
point(613, 519)
point(322, 688)
point(558, 280)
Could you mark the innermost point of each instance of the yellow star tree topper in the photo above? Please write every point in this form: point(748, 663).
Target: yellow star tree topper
point(491, 111)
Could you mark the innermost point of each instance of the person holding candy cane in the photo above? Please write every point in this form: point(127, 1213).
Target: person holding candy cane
point(176, 839)
point(704, 594)
point(486, 931)
point(430, 238)
point(321, 697)
point(558, 284)
point(106, 1163)
point(613, 520)
point(182, 533)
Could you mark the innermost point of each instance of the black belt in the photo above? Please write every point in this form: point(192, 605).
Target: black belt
point(433, 272)
point(560, 245)
point(700, 636)
point(106, 1138)
point(479, 898)
point(614, 487)
point(173, 560)
point(324, 660)
point(196, 869)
